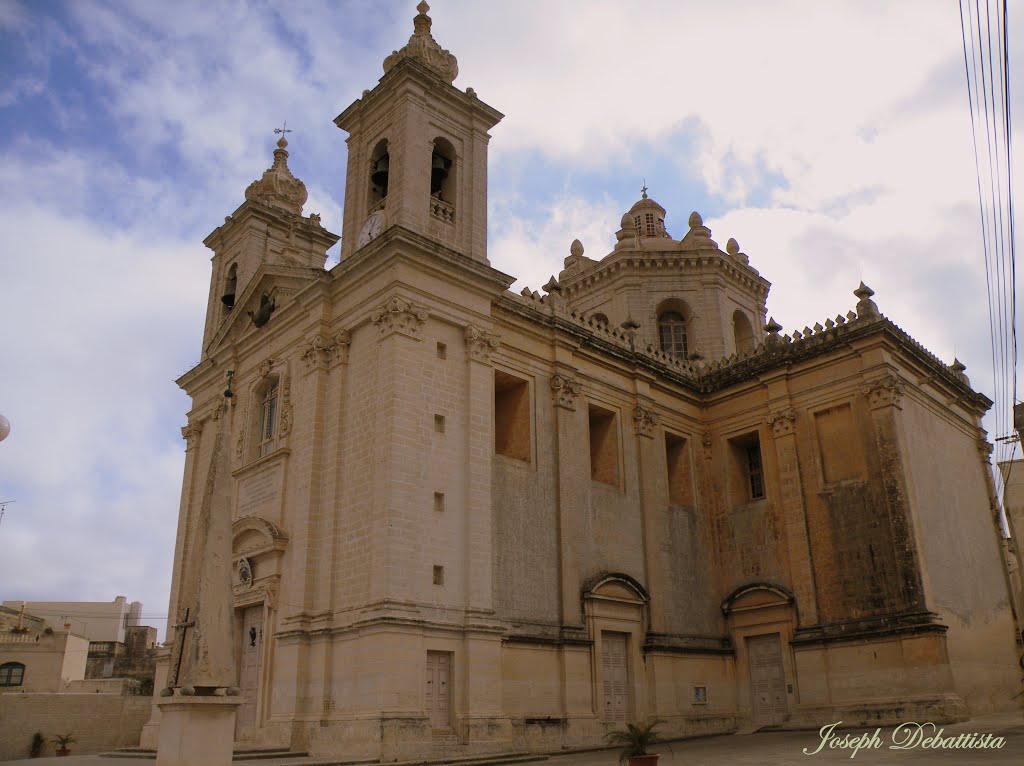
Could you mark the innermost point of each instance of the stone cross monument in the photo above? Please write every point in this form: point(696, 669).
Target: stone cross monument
point(197, 725)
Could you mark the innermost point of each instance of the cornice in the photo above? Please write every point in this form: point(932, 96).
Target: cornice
point(407, 72)
point(640, 264)
point(233, 226)
point(776, 353)
point(432, 256)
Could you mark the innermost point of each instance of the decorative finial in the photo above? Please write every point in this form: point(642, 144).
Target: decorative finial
point(958, 368)
point(643, 190)
point(424, 48)
point(732, 246)
point(576, 248)
point(866, 308)
point(863, 291)
point(278, 187)
point(283, 142)
point(773, 328)
point(695, 220)
point(552, 286)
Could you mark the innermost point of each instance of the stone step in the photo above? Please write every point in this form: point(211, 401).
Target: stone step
point(240, 754)
point(303, 759)
point(491, 759)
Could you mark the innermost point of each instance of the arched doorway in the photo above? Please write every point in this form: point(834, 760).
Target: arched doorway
point(760, 619)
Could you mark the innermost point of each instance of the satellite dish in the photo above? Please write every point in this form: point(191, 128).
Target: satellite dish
point(5, 427)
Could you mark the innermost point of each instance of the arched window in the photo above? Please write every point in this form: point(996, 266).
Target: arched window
point(742, 332)
point(12, 674)
point(230, 284)
point(266, 417)
point(442, 181)
point(672, 333)
point(380, 167)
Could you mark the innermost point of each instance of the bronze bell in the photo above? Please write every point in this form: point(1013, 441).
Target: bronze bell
point(228, 297)
point(439, 165)
point(380, 174)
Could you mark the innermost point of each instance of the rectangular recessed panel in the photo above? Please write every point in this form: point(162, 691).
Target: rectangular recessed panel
point(767, 679)
point(615, 676)
point(249, 675)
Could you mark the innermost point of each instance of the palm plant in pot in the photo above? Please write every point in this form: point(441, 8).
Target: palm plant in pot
point(62, 741)
point(36, 748)
point(635, 739)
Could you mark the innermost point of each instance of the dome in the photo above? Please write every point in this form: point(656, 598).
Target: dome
point(647, 217)
point(278, 187)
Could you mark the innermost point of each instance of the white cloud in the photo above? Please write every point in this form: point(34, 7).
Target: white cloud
point(534, 250)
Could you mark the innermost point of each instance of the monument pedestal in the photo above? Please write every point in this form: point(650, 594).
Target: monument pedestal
point(197, 731)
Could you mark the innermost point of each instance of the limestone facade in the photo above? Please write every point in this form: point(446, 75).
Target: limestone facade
point(468, 520)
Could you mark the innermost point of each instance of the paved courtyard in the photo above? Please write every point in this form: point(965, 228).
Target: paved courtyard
point(760, 749)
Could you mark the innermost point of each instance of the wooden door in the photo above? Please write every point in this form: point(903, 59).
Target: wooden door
point(249, 671)
point(439, 668)
point(615, 676)
point(767, 679)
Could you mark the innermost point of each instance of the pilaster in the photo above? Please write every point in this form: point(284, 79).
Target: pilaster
point(480, 425)
point(401, 434)
point(653, 506)
point(884, 396)
point(794, 513)
point(573, 491)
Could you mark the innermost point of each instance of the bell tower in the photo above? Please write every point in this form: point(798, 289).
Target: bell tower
point(417, 152)
point(267, 231)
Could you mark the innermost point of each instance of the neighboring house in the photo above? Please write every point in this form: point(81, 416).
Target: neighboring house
point(45, 683)
point(52, 635)
point(468, 520)
point(36, 657)
point(99, 620)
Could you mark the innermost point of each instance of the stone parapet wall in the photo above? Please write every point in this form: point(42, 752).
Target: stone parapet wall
point(98, 722)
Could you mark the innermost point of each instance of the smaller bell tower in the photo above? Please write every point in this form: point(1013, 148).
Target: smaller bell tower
point(417, 152)
point(267, 230)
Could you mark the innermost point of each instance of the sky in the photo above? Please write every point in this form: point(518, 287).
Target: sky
point(831, 139)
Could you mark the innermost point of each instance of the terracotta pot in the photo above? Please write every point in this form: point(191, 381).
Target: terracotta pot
point(61, 752)
point(651, 759)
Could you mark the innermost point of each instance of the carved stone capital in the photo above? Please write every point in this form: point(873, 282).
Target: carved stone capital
point(480, 344)
point(706, 442)
point(265, 367)
point(401, 316)
point(985, 448)
point(564, 390)
point(190, 433)
point(883, 392)
point(645, 421)
point(325, 351)
point(783, 422)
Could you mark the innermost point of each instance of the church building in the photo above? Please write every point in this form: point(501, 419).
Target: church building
point(467, 520)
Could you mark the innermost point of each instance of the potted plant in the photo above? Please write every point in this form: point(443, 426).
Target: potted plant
point(62, 741)
point(36, 748)
point(635, 739)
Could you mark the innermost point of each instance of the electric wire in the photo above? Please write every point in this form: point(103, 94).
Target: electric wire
point(986, 65)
